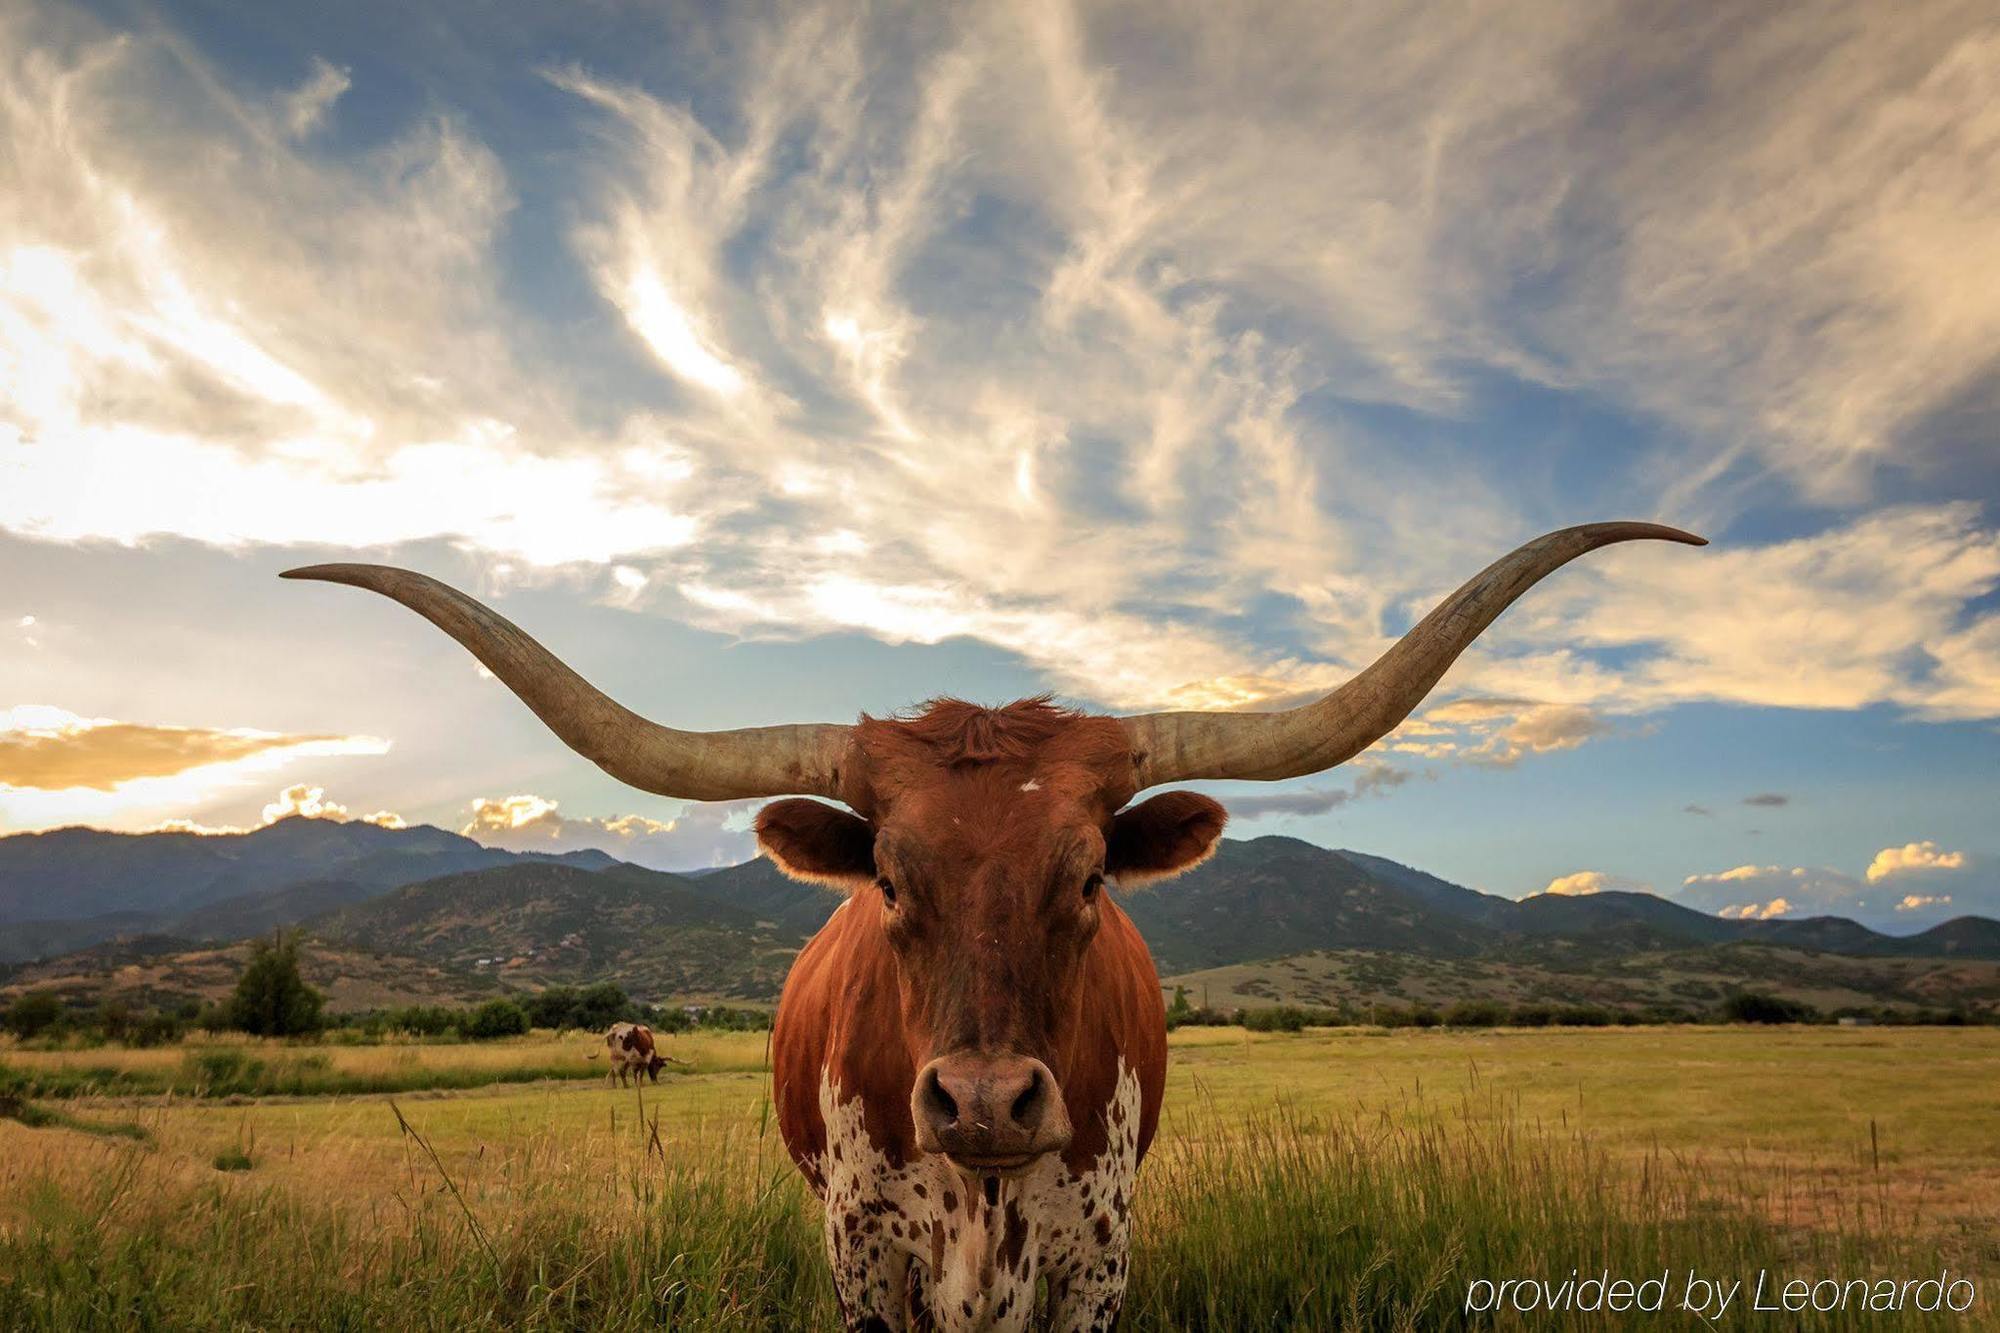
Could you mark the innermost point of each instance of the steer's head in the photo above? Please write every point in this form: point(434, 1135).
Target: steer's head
point(984, 837)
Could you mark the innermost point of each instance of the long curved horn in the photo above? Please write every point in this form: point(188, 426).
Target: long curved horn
point(691, 765)
point(1177, 747)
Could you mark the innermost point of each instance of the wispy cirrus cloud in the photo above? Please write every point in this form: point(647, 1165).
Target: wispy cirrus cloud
point(1878, 612)
point(1373, 779)
point(1497, 732)
point(305, 107)
point(1065, 331)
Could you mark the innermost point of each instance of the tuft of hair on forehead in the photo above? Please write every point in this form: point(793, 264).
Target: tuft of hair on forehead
point(957, 732)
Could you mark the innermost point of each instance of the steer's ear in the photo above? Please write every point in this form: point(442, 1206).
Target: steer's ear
point(811, 840)
point(1158, 839)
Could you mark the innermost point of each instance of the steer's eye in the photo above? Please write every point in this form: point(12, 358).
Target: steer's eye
point(1091, 886)
point(888, 889)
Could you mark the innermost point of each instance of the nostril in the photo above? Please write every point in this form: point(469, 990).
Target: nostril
point(1027, 1107)
point(942, 1106)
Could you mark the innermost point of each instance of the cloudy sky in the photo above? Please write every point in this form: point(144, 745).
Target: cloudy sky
point(787, 364)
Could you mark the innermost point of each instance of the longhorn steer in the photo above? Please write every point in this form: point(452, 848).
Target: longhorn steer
point(633, 1052)
point(968, 1059)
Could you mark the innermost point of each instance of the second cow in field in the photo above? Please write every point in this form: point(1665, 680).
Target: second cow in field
point(633, 1052)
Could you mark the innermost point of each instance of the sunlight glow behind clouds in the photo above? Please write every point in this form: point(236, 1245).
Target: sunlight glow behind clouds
point(665, 326)
point(300, 800)
point(59, 768)
point(1019, 336)
point(542, 510)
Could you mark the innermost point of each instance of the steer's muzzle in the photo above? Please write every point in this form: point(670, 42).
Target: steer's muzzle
point(990, 1114)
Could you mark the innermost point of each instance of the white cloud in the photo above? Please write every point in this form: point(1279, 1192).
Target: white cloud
point(669, 331)
point(311, 803)
point(300, 800)
point(1911, 857)
point(1755, 893)
point(701, 835)
point(306, 106)
point(297, 801)
point(1753, 890)
point(1583, 883)
point(1740, 873)
point(1756, 911)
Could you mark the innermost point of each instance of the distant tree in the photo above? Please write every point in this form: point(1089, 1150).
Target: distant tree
point(115, 1019)
point(156, 1029)
point(1288, 1018)
point(34, 1013)
point(669, 1018)
point(602, 1005)
point(555, 1007)
point(496, 1018)
point(1475, 1014)
point(721, 1016)
point(420, 1020)
point(1756, 1007)
point(1178, 1011)
point(272, 999)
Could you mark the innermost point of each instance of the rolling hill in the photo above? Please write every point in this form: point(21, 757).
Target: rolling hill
point(1267, 919)
point(71, 888)
point(530, 925)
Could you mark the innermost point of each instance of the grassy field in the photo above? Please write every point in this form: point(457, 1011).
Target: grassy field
point(1327, 1179)
point(246, 1067)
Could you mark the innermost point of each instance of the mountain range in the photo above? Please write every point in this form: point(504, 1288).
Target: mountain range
point(73, 887)
point(420, 913)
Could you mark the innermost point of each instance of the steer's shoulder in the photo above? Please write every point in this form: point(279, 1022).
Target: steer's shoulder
point(839, 1026)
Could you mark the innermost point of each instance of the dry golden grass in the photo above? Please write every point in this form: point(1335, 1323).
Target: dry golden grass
point(1283, 1160)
